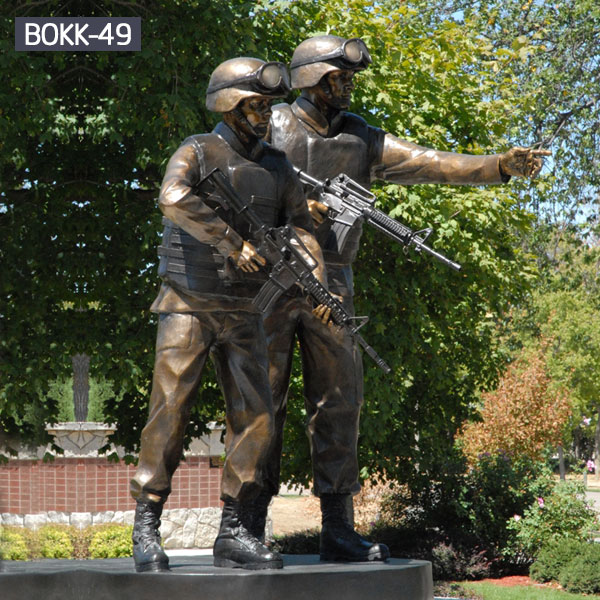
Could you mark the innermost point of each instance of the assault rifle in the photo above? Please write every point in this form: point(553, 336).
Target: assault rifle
point(348, 201)
point(281, 247)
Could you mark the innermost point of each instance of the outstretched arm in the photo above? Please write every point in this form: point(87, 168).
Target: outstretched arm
point(407, 163)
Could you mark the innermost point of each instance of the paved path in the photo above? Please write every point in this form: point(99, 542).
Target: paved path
point(594, 497)
point(295, 513)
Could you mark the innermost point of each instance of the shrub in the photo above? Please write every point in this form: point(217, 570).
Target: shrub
point(582, 574)
point(55, 541)
point(301, 542)
point(453, 590)
point(451, 564)
point(562, 514)
point(81, 538)
point(111, 541)
point(12, 545)
point(553, 557)
point(495, 489)
point(468, 509)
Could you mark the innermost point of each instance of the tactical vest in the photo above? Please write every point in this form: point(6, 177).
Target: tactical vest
point(322, 157)
point(197, 268)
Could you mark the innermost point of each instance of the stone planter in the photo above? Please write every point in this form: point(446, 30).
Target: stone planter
point(80, 438)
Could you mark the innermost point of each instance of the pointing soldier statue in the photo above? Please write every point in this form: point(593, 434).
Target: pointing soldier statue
point(211, 270)
point(322, 139)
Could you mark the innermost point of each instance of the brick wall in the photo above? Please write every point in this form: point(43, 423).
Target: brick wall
point(95, 485)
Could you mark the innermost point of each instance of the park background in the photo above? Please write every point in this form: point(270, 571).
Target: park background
point(495, 369)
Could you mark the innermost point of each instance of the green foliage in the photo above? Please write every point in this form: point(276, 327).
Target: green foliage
point(112, 541)
point(63, 541)
point(553, 556)
point(582, 574)
point(61, 392)
point(492, 591)
point(556, 66)
point(495, 489)
point(464, 513)
point(12, 545)
point(561, 514)
point(55, 542)
point(300, 542)
point(84, 138)
point(561, 320)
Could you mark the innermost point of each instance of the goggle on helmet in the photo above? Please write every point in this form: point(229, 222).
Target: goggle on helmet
point(270, 78)
point(352, 54)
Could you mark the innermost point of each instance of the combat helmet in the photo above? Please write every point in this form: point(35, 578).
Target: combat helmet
point(321, 54)
point(239, 78)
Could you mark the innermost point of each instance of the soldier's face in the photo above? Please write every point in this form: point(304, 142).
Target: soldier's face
point(257, 111)
point(341, 86)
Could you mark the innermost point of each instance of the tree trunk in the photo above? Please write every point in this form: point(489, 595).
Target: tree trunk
point(597, 448)
point(561, 464)
point(81, 385)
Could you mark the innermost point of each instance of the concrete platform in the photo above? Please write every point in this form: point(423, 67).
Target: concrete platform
point(194, 578)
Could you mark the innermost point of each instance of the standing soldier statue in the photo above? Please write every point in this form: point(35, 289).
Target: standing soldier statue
point(211, 271)
point(322, 139)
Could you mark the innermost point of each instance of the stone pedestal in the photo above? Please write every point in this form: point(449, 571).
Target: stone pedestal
point(194, 578)
point(80, 438)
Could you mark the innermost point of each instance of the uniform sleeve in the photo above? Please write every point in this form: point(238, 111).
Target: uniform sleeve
point(407, 163)
point(180, 204)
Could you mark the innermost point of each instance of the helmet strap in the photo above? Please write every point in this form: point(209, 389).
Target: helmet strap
point(244, 128)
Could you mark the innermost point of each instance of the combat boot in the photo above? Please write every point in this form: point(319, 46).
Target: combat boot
point(235, 545)
point(257, 510)
point(339, 541)
point(148, 554)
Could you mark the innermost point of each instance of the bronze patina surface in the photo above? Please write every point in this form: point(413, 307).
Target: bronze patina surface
point(211, 271)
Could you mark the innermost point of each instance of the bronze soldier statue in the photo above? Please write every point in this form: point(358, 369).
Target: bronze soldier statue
point(211, 271)
point(321, 138)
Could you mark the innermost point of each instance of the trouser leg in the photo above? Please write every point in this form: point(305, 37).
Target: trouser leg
point(332, 374)
point(333, 390)
point(182, 346)
point(240, 358)
point(280, 327)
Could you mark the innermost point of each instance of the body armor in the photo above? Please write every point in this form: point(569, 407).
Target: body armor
point(198, 268)
point(350, 152)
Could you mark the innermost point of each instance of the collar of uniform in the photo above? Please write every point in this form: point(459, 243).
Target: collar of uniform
point(224, 131)
point(306, 111)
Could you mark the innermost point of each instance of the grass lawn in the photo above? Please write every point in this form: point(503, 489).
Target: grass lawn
point(490, 591)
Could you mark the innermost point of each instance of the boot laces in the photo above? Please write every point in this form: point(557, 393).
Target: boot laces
point(149, 525)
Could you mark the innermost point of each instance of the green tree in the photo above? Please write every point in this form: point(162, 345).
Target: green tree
point(556, 66)
point(562, 317)
point(84, 140)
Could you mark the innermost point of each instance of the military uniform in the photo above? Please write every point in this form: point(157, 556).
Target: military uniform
point(205, 307)
point(332, 365)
